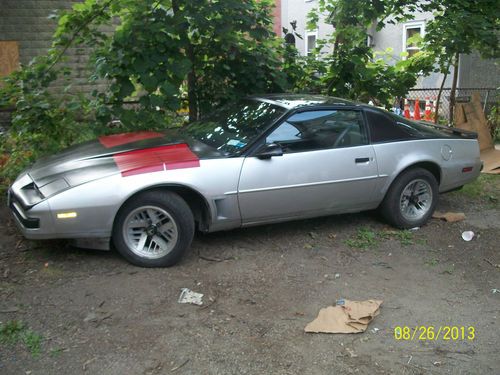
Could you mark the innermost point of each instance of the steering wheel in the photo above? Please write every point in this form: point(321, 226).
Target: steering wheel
point(342, 135)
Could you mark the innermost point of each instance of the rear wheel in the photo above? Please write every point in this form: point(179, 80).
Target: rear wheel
point(154, 229)
point(411, 199)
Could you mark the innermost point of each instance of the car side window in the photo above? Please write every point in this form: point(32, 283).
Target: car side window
point(319, 130)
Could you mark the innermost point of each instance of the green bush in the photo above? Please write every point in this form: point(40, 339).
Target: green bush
point(494, 123)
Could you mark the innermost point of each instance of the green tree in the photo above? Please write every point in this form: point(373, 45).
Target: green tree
point(165, 54)
point(461, 27)
point(354, 70)
point(221, 49)
point(303, 73)
point(217, 49)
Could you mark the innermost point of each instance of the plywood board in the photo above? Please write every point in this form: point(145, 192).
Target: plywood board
point(9, 57)
point(470, 116)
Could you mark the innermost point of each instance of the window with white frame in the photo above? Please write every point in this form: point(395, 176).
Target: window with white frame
point(409, 31)
point(311, 37)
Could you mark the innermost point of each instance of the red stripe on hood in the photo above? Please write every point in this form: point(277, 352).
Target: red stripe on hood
point(109, 141)
point(156, 159)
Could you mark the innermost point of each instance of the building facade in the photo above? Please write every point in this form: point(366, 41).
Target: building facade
point(27, 25)
point(474, 72)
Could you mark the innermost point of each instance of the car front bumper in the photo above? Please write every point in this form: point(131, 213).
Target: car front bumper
point(37, 224)
point(33, 222)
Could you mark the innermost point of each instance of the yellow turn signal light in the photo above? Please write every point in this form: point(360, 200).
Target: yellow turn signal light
point(67, 215)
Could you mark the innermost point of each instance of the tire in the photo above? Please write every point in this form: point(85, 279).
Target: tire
point(404, 209)
point(154, 229)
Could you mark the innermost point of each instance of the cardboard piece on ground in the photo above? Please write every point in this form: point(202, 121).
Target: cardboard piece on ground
point(352, 317)
point(470, 116)
point(450, 217)
point(491, 161)
point(9, 57)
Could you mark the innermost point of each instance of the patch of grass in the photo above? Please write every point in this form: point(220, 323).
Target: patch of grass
point(405, 237)
point(33, 342)
point(364, 239)
point(432, 262)
point(486, 187)
point(11, 332)
point(15, 331)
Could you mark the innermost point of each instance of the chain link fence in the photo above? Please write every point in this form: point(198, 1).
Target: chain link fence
point(489, 98)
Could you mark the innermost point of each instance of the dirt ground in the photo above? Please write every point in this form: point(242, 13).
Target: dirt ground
point(74, 311)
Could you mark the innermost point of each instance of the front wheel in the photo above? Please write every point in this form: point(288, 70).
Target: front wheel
point(154, 229)
point(411, 199)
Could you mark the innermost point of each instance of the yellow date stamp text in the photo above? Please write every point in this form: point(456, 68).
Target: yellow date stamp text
point(434, 333)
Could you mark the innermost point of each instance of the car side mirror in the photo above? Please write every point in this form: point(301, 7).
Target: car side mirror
point(269, 150)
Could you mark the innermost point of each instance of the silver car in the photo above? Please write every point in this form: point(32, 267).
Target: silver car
point(261, 160)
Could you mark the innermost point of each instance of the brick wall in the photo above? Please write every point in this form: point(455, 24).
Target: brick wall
point(26, 21)
point(277, 18)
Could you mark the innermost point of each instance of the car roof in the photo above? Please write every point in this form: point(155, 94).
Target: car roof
point(291, 101)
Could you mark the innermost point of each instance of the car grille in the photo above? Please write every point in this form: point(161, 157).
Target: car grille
point(19, 211)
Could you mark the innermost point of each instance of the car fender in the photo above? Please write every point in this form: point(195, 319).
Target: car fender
point(395, 158)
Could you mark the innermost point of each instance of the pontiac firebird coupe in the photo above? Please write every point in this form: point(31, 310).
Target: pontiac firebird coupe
point(261, 160)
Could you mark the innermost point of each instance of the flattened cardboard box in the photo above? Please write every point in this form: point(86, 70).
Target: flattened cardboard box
point(470, 116)
point(352, 317)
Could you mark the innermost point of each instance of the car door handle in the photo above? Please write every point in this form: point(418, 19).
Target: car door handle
point(362, 160)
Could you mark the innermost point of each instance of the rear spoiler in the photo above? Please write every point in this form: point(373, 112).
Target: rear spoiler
point(455, 131)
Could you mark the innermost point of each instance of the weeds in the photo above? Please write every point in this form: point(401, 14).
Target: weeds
point(432, 262)
point(486, 187)
point(33, 341)
point(11, 332)
point(15, 331)
point(405, 237)
point(366, 238)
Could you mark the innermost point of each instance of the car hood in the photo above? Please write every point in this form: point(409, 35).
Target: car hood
point(126, 153)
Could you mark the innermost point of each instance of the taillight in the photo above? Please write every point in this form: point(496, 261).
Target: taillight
point(467, 169)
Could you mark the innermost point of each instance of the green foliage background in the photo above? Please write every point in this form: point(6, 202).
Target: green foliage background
point(171, 55)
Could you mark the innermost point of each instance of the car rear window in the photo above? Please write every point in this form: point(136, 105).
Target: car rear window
point(388, 127)
point(385, 128)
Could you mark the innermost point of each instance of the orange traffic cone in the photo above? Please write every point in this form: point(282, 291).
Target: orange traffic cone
point(416, 113)
point(406, 112)
point(427, 114)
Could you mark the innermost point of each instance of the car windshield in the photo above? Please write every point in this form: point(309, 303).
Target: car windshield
point(234, 126)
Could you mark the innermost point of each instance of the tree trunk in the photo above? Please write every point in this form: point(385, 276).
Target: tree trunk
point(191, 83)
point(335, 52)
point(438, 100)
point(191, 77)
point(454, 87)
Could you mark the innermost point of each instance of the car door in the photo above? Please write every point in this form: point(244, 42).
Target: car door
point(327, 166)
